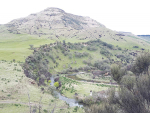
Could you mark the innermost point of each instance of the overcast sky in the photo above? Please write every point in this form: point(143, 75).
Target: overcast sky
point(120, 15)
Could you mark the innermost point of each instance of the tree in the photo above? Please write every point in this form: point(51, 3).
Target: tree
point(133, 94)
point(117, 72)
point(49, 81)
point(128, 81)
point(141, 64)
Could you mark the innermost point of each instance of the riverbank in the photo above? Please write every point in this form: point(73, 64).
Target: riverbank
point(70, 87)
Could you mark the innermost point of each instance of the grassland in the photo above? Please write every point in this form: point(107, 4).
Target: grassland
point(64, 62)
point(15, 87)
point(70, 87)
point(16, 46)
point(87, 76)
point(127, 42)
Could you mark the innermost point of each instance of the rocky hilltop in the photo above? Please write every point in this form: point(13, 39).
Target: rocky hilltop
point(54, 23)
point(57, 25)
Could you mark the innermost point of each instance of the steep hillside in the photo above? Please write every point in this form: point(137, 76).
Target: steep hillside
point(52, 25)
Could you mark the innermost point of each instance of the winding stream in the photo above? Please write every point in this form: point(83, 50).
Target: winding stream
point(71, 102)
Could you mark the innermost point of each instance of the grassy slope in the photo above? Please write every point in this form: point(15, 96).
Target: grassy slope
point(16, 46)
point(14, 88)
point(89, 77)
point(127, 42)
point(65, 62)
point(80, 87)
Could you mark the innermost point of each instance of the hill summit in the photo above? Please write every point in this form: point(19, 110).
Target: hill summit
point(55, 22)
point(57, 25)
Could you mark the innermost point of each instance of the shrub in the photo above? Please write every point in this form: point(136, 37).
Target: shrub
point(117, 72)
point(88, 100)
point(91, 48)
point(49, 81)
point(105, 52)
point(128, 82)
point(102, 65)
point(135, 46)
point(51, 90)
point(79, 55)
point(45, 111)
point(133, 94)
point(142, 64)
point(75, 109)
point(110, 46)
point(102, 108)
point(70, 56)
point(56, 84)
point(119, 48)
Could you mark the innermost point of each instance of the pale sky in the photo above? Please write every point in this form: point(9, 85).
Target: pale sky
point(120, 15)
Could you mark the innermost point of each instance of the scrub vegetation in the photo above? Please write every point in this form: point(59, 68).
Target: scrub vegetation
point(73, 57)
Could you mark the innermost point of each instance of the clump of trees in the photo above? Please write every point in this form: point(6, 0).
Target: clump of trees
point(75, 46)
point(125, 58)
point(134, 93)
point(102, 65)
point(36, 66)
point(45, 58)
point(134, 90)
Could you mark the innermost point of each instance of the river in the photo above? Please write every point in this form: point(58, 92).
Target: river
point(71, 102)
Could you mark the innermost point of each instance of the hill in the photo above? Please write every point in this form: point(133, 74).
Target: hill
point(52, 25)
point(53, 42)
point(146, 37)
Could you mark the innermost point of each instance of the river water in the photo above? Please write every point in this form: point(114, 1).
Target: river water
point(71, 102)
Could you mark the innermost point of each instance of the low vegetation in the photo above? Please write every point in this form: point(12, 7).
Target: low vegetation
point(133, 94)
point(43, 66)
